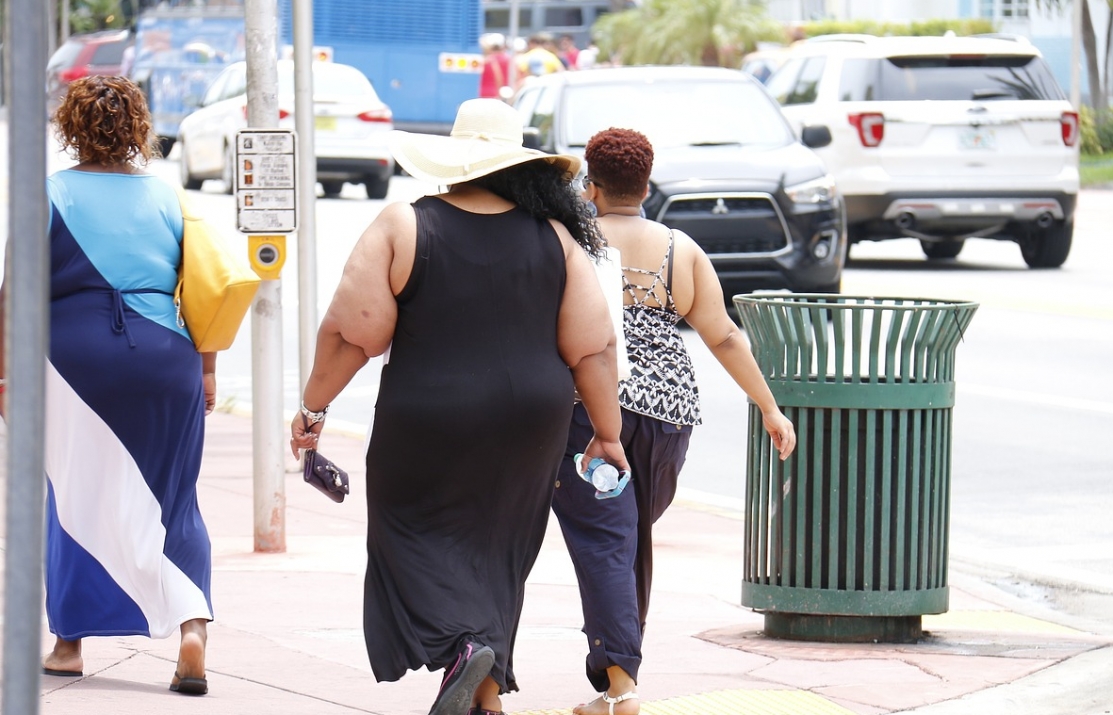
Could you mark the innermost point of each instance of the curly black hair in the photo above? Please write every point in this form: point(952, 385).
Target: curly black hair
point(544, 191)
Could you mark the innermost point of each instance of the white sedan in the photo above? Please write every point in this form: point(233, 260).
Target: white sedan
point(350, 138)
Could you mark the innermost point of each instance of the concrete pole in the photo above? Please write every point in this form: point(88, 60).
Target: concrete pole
point(511, 50)
point(26, 338)
point(269, 447)
point(307, 188)
point(1076, 54)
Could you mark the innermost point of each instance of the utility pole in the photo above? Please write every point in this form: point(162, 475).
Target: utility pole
point(307, 187)
point(26, 342)
point(261, 53)
point(1076, 55)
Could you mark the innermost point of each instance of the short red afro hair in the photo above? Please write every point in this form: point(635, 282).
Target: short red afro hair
point(621, 160)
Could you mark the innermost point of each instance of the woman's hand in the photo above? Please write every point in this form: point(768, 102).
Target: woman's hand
point(209, 381)
point(610, 452)
point(303, 435)
point(781, 430)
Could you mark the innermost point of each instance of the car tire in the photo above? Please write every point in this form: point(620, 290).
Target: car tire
point(937, 250)
point(1048, 247)
point(188, 180)
point(227, 171)
point(376, 187)
point(332, 189)
point(165, 144)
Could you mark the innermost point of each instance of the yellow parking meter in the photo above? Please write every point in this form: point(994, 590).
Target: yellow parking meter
point(267, 255)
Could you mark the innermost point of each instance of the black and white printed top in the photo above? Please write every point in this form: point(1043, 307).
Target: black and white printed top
point(662, 382)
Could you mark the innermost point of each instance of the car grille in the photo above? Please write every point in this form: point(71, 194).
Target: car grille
point(744, 225)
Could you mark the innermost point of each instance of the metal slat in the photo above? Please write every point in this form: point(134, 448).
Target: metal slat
point(834, 509)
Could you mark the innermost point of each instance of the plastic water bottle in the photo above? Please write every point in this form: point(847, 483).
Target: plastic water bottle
point(603, 476)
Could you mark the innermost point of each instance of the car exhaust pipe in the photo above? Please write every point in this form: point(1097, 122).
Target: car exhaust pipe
point(906, 219)
point(1045, 219)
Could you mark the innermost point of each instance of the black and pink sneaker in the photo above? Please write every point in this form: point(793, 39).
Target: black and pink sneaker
point(473, 663)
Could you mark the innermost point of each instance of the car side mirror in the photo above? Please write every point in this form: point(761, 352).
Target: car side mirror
point(815, 137)
point(531, 138)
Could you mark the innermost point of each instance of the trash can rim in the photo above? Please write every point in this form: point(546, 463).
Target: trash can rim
point(840, 301)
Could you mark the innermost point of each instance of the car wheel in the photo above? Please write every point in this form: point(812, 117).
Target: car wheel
point(332, 189)
point(165, 144)
point(227, 172)
point(376, 187)
point(188, 180)
point(1048, 247)
point(937, 250)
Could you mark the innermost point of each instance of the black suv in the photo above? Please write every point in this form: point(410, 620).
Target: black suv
point(727, 171)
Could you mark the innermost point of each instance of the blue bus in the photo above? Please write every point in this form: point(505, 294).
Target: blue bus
point(422, 56)
point(180, 47)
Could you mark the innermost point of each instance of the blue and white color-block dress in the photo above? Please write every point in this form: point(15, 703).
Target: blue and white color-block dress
point(126, 552)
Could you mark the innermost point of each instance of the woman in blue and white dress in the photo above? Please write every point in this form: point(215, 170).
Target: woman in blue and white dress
point(127, 552)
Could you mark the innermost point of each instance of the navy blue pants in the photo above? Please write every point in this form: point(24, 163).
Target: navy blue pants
point(611, 540)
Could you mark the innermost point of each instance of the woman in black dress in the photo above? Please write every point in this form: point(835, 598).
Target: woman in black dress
point(489, 306)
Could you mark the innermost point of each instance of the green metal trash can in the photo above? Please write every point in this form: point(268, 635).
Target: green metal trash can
point(847, 539)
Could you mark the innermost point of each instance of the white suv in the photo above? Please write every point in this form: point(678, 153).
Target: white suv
point(941, 139)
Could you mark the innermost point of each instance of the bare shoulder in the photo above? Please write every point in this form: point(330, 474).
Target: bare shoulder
point(564, 235)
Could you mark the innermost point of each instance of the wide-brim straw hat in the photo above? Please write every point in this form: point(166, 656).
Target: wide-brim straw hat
point(486, 137)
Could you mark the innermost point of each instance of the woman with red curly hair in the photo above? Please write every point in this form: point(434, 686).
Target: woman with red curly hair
point(127, 552)
point(666, 277)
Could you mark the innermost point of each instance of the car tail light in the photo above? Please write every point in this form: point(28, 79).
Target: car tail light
point(870, 126)
point(282, 113)
point(72, 73)
point(376, 115)
point(1068, 123)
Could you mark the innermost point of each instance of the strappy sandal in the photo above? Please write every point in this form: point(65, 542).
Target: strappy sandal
point(611, 702)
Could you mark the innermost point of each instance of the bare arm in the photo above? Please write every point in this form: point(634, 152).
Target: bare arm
point(359, 323)
point(586, 340)
point(708, 316)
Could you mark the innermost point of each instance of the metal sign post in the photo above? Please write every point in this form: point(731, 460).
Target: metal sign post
point(26, 337)
point(304, 119)
point(269, 436)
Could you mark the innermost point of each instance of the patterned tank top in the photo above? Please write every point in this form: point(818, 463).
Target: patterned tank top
point(662, 382)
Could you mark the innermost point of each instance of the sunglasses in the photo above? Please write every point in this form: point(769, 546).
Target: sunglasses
point(582, 184)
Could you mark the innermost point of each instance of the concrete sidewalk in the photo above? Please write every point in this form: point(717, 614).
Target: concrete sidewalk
point(287, 637)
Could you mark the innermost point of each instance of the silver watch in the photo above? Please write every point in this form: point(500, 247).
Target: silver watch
point(313, 417)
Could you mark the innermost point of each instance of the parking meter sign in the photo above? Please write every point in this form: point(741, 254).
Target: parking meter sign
point(266, 181)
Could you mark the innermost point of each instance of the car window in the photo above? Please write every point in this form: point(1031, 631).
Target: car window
point(859, 79)
point(807, 82)
point(525, 103)
point(678, 112)
point(108, 53)
point(236, 82)
point(65, 55)
point(782, 81)
point(982, 78)
point(212, 94)
point(542, 116)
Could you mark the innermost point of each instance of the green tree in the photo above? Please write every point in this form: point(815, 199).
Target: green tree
point(1095, 64)
point(93, 15)
point(691, 32)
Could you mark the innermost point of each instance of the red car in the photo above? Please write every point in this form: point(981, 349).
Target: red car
point(96, 53)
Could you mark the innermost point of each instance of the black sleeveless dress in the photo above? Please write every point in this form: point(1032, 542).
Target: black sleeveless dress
point(470, 427)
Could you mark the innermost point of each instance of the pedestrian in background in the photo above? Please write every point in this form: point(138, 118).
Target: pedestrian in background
point(492, 314)
point(496, 66)
point(127, 552)
point(539, 59)
point(569, 53)
point(666, 278)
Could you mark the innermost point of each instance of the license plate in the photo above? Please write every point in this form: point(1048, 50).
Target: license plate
point(327, 124)
point(978, 138)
